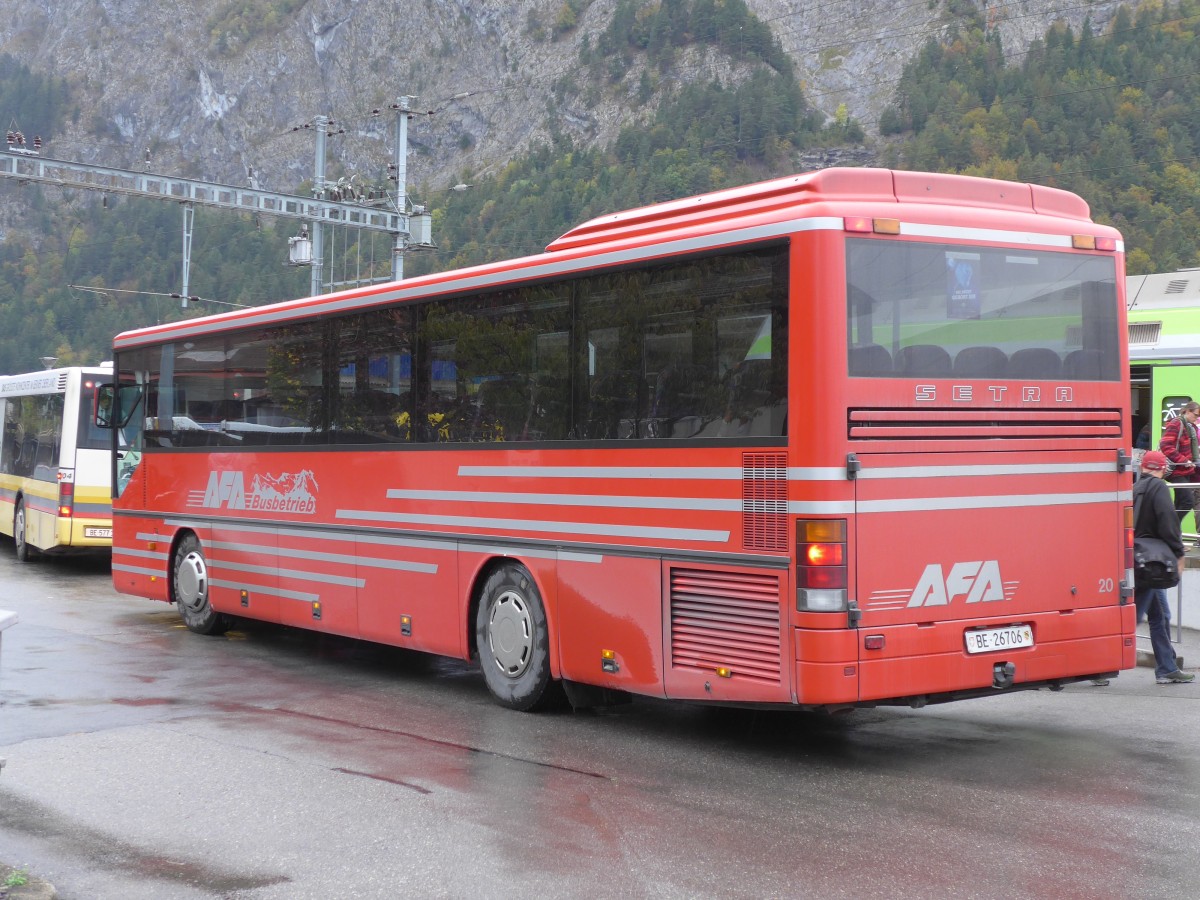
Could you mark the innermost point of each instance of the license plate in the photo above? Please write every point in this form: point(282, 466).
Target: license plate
point(98, 533)
point(988, 639)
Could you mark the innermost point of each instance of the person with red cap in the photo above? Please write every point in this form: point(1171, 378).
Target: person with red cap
point(1156, 518)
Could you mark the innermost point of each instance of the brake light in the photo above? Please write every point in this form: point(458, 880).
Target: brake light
point(821, 572)
point(825, 554)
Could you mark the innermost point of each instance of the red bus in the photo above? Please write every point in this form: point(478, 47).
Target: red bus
point(847, 438)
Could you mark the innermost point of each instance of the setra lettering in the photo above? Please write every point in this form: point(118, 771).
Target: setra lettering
point(1030, 393)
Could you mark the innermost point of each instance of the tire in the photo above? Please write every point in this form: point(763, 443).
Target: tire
point(514, 642)
point(25, 553)
point(189, 589)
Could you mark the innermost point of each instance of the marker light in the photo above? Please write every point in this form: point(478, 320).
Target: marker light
point(1092, 242)
point(867, 225)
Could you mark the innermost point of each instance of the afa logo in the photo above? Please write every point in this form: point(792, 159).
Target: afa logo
point(978, 582)
point(288, 493)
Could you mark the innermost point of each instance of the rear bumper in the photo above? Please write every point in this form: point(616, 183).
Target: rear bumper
point(929, 663)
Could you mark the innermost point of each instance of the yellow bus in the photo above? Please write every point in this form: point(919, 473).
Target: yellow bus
point(54, 463)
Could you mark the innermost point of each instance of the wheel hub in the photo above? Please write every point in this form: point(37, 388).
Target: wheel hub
point(191, 581)
point(510, 634)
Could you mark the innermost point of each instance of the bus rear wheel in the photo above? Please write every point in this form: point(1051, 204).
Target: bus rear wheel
point(20, 538)
point(189, 588)
point(514, 641)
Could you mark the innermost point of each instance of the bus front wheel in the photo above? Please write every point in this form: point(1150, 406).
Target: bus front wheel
point(514, 642)
point(20, 538)
point(190, 589)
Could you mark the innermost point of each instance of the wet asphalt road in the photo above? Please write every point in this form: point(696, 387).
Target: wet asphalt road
point(148, 762)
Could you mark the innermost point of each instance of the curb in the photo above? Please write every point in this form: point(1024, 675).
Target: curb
point(1145, 659)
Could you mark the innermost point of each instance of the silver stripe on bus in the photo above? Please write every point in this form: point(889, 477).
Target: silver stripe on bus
point(316, 533)
point(850, 507)
point(997, 502)
point(991, 235)
point(148, 536)
point(226, 566)
point(816, 473)
point(633, 531)
point(142, 554)
point(269, 591)
point(137, 570)
point(417, 543)
point(956, 471)
point(601, 500)
point(660, 473)
point(560, 555)
point(820, 507)
point(343, 558)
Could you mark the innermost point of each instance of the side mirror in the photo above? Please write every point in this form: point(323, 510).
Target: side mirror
point(102, 411)
point(116, 406)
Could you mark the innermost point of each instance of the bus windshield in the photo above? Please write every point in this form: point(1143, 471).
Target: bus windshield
point(940, 310)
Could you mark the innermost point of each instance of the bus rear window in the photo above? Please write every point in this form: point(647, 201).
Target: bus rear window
point(919, 310)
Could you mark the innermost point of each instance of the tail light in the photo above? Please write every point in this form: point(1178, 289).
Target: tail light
point(821, 573)
point(66, 499)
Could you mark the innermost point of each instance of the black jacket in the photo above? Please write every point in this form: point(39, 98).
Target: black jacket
point(1157, 517)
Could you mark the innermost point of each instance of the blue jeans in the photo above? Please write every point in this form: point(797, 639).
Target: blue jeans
point(1148, 605)
point(1161, 594)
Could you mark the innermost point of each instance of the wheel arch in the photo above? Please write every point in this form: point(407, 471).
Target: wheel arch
point(544, 578)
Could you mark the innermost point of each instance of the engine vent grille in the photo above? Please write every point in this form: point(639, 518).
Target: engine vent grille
point(726, 619)
point(998, 424)
point(764, 501)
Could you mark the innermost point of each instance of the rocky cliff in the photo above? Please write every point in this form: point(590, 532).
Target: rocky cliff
point(214, 89)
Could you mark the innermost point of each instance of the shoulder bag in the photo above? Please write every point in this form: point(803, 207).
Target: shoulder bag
point(1154, 563)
